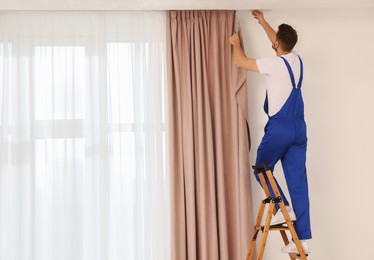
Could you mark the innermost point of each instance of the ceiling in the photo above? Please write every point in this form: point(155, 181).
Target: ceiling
point(178, 4)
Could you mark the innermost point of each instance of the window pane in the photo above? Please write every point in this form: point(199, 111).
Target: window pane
point(59, 82)
point(58, 158)
point(6, 71)
point(120, 82)
point(59, 197)
point(123, 157)
point(2, 61)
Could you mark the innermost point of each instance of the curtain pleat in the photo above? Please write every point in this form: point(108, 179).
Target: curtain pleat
point(211, 213)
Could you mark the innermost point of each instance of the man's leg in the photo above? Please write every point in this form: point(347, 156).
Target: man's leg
point(272, 148)
point(296, 177)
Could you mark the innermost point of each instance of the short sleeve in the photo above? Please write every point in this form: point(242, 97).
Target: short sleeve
point(266, 65)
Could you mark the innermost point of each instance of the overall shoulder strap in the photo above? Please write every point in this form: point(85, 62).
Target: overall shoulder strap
point(301, 73)
point(289, 72)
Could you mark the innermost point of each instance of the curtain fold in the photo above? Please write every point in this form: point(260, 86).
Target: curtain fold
point(83, 169)
point(211, 213)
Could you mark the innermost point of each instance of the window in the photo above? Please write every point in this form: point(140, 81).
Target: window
point(83, 164)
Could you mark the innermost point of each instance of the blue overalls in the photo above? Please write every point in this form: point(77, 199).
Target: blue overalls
point(285, 139)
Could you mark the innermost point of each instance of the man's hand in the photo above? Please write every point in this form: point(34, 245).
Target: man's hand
point(257, 14)
point(235, 39)
point(240, 59)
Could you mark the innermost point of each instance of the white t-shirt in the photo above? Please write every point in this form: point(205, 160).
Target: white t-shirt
point(278, 81)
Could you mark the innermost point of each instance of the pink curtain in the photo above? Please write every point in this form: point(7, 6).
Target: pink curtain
point(211, 212)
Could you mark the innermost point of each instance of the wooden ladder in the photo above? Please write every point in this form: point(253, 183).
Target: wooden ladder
point(263, 169)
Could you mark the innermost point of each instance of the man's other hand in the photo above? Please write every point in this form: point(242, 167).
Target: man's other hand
point(235, 39)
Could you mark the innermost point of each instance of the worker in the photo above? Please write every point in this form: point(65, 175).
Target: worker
point(285, 132)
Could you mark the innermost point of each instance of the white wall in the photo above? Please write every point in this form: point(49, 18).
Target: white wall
point(122, 4)
point(337, 47)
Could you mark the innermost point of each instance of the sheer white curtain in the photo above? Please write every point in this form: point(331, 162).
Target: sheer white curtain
point(83, 171)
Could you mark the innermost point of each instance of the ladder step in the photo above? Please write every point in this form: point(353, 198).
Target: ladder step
point(298, 256)
point(260, 167)
point(277, 227)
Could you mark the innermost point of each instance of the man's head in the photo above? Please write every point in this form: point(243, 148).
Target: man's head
point(286, 38)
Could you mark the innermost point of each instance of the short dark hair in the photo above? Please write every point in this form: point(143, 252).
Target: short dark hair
point(287, 37)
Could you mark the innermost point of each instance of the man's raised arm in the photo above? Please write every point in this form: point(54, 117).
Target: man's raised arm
point(268, 29)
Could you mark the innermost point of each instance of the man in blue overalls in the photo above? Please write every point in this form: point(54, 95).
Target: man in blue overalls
point(285, 132)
